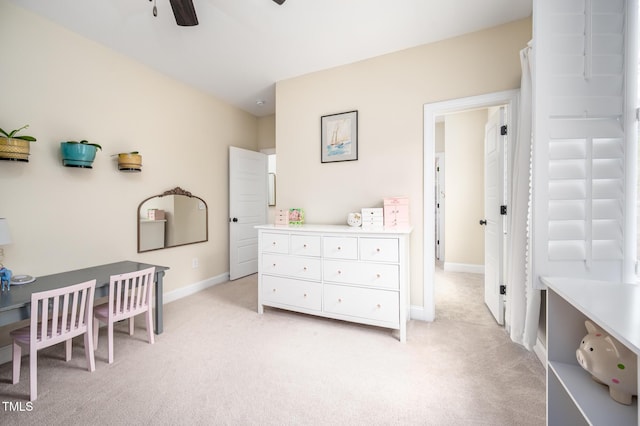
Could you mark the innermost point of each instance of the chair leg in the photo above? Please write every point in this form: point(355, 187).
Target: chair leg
point(110, 338)
point(17, 360)
point(67, 347)
point(88, 349)
point(33, 373)
point(96, 330)
point(150, 327)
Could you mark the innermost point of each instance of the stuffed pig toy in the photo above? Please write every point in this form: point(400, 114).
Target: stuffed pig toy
point(609, 363)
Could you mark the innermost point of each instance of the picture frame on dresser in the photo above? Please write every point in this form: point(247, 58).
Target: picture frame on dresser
point(339, 137)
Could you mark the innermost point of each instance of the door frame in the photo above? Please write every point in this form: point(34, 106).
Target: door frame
point(441, 211)
point(431, 112)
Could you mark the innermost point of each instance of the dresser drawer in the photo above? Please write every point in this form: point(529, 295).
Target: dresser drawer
point(379, 249)
point(378, 305)
point(287, 291)
point(275, 243)
point(294, 266)
point(305, 245)
point(340, 247)
point(369, 274)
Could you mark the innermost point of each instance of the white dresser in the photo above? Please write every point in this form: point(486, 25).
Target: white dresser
point(337, 272)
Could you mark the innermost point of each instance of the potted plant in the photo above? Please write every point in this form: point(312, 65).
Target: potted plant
point(78, 154)
point(130, 161)
point(15, 147)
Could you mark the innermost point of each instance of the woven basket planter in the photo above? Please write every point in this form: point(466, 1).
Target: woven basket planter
point(14, 149)
point(130, 162)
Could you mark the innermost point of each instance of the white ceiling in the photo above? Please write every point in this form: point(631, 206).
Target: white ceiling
point(243, 47)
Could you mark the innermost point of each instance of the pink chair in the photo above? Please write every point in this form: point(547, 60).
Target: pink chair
point(60, 326)
point(129, 295)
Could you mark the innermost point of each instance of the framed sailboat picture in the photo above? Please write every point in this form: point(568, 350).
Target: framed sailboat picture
point(339, 135)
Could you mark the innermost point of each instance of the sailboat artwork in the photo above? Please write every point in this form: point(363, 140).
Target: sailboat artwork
point(340, 141)
point(340, 137)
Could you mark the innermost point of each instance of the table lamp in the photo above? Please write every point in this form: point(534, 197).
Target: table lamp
point(5, 237)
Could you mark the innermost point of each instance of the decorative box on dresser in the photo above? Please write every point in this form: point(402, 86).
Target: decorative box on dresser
point(573, 397)
point(341, 272)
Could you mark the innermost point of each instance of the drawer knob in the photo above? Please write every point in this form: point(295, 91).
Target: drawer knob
point(305, 246)
point(305, 268)
point(274, 265)
point(339, 248)
point(273, 243)
point(305, 295)
point(339, 271)
point(274, 290)
point(339, 300)
point(378, 250)
point(379, 306)
point(378, 275)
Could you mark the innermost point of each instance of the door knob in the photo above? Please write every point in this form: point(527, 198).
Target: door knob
point(483, 221)
point(235, 219)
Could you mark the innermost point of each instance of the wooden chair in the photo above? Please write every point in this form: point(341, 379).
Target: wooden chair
point(129, 295)
point(56, 316)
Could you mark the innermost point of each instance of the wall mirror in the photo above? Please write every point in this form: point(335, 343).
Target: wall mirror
point(173, 218)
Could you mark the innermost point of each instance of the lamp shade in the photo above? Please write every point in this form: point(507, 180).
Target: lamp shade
point(5, 237)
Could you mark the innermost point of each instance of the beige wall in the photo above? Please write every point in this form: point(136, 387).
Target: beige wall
point(267, 132)
point(389, 93)
point(464, 177)
point(67, 87)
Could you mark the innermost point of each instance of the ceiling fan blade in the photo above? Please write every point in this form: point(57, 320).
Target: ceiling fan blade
point(279, 1)
point(184, 12)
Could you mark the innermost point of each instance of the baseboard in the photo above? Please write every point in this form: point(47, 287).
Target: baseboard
point(463, 267)
point(541, 352)
point(419, 313)
point(194, 288)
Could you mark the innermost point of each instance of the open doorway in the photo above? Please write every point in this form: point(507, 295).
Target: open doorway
point(470, 231)
point(431, 114)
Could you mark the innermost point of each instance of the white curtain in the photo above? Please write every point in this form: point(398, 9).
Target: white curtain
point(523, 301)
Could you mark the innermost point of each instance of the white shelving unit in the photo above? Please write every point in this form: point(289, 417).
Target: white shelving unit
point(573, 397)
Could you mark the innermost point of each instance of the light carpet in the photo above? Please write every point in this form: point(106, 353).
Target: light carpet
point(218, 362)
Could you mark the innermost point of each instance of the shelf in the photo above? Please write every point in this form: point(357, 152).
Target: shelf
point(592, 398)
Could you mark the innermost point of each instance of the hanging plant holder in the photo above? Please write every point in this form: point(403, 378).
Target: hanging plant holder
point(130, 162)
point(14, 149)
point(78, 154)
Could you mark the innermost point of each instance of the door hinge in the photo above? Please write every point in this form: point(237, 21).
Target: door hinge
point(503, 289)
point(503, 130)
point(503, 210)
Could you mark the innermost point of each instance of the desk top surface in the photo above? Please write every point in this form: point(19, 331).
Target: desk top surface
point(20, 295)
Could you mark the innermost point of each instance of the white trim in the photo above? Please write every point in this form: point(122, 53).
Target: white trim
point(431, 111)
point(463, 267)
point(194, 288)
point(417, 313)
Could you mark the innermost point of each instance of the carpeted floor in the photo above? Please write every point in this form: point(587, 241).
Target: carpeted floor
point(220, 363)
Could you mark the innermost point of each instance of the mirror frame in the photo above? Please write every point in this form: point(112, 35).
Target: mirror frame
point(175, 191)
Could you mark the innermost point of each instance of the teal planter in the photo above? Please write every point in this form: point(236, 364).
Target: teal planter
point(77, 154)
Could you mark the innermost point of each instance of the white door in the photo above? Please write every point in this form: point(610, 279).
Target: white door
point(248, 190)
point(493, 219)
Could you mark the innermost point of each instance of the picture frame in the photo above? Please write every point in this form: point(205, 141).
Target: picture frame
point(339, 137)
point(296, 216)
